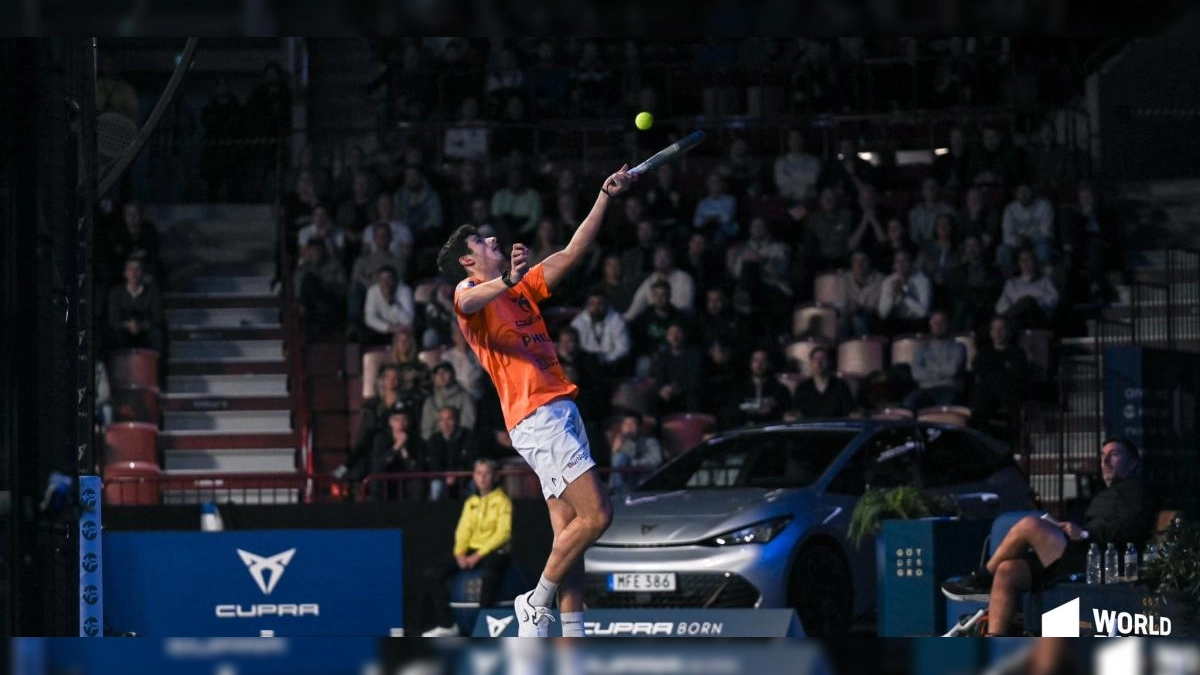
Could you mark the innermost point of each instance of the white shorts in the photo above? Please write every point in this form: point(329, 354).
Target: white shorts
point(554, 443)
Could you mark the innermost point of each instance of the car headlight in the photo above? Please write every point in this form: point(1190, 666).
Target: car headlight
point(759, 533)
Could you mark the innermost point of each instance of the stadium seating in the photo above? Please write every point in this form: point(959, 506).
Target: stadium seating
point(137, 403)
point(354, 394)
point(904, 347)
point(968, 340)
point(1037, 343)
point(681, 432)
point(464, 593)
point(815, 319)
point(799, 352)
point(131, 484)
point(947, 414)
point(425, 290)
point(133, 367)
point(430, 357)
point(324, 358)
point(326, 394)
point(860, 357)
point(634, 393)
point(371, 361)
point(352, 363)
point(790, 380)
point(558, 317)
point(522, 482)
point(892, 414)
point(827, 287)
point(131, 442)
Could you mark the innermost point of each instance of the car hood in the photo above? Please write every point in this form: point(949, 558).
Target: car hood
point(687, 516)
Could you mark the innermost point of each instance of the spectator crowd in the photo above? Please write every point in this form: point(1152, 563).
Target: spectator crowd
point(739, 284)
point(731, 292)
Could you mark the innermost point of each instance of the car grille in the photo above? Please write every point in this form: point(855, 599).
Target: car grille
point(709, 589)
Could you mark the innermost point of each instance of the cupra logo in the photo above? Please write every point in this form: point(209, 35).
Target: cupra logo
point(266, 571)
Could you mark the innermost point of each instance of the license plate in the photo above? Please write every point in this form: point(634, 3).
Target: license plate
point(642, 582)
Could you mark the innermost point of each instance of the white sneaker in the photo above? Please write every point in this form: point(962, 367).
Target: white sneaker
point(532, 621)
point(442, 631)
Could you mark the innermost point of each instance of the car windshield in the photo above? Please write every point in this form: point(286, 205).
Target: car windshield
point(770, 459)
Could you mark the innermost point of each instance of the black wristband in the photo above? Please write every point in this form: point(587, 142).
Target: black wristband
point(506, 277)
point(605, 191)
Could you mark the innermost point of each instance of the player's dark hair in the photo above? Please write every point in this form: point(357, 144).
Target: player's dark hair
point(454, 248)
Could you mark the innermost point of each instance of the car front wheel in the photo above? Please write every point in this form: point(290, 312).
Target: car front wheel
point(822, 590)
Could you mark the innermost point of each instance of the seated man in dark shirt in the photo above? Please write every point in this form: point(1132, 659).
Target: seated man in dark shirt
point(450, 448)
point(1038, 551)
point(1001, 376)
point(824, 394)
point(757, 397)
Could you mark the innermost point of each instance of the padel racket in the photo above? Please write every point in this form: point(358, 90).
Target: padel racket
point(672, 151)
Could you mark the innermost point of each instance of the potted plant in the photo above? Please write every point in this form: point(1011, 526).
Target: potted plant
point(904, 502)
point(1175, 575)
point(916, 547)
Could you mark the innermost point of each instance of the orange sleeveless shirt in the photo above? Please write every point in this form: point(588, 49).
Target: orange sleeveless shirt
point(510, 338)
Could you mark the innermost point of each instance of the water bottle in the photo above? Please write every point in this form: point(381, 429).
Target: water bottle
point(210, 518)
point(1150, 553)
point(1112, 564)
point(1131, 562)
point(1093, 565)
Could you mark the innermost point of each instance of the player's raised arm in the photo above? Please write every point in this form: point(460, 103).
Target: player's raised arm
point(557, 265)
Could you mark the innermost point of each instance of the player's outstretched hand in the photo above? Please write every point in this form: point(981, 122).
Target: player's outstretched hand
point(619, 182)
point(520, 262)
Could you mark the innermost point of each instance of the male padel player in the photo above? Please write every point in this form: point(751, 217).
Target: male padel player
point(497, 307)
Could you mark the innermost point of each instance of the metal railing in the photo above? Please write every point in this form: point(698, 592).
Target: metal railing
point(1062, 441)
point(197, 488)
point(295, 353)
point(1183, 296)
point(518, 481)
point(300, 487)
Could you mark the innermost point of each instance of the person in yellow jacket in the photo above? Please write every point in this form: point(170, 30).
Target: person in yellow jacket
point(481, 541)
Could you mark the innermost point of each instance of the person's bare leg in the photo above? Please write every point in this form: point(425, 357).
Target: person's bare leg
point(1045, 539)
point(570, 587)
point(593, 512)
point(1012, 579)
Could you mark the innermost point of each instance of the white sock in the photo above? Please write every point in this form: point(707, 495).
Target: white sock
point(543, 594)
point(572, 624)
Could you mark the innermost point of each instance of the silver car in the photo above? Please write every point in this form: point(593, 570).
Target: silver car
point(758, 517)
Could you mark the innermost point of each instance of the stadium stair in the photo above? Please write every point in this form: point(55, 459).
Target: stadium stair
point(226, 407)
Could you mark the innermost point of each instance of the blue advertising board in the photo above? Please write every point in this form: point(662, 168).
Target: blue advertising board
point(695, 623)
point(255, 583)
point(206, 656)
